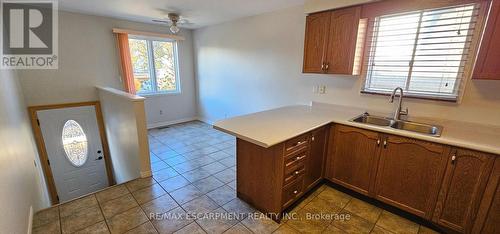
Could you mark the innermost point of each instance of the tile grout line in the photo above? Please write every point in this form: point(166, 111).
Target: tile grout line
point(102, 212)
point(140, 207)
point(60, 219)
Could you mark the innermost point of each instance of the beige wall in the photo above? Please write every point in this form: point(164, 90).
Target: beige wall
point(255, 63)
point(21, 185)
point(88, 57)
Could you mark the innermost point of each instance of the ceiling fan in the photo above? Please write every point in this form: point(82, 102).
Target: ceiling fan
point(174, 20)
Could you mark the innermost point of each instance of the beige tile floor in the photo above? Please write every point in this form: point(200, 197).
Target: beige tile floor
point(193, 191)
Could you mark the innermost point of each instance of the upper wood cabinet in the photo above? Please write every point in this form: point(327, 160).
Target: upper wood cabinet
point(352, 157)
point(315, 163)
point(463, 185)
point(330, 41)
point(488, 61)
point(409, 174)
point(317, 26)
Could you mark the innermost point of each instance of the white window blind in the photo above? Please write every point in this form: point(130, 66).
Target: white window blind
point(424, 52)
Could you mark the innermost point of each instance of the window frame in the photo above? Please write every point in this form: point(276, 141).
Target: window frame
point(476, 37)
point(152, 68)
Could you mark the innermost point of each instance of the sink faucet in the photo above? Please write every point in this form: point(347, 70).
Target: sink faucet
point(398, 112)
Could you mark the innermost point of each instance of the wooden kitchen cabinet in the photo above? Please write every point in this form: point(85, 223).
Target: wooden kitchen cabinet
point(316, 161)
point(488, 217)
point(488, 60)
point(352, 158)
point(317, 26)
point(271, 179)
point(341, 44)
point(409, 174)
point(462, 189)
point(330, 41)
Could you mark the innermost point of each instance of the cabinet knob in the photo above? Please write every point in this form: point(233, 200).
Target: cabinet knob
point(295, 192)
point(296, 172)
point(385, 144)
point(326, 66)
point(453, 159)
point(312, 138)
point(322, 66)
point(378, 142)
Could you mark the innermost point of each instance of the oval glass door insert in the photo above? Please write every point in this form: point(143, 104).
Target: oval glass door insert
point(75, 143)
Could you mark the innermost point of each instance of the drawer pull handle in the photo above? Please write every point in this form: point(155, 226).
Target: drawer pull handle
point(299, 158)
point(295, 192)
point(298, 143)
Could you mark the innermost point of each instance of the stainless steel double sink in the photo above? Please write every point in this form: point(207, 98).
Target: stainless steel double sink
point(422, 128)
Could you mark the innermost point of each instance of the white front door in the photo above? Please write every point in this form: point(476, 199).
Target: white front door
point(74, 148)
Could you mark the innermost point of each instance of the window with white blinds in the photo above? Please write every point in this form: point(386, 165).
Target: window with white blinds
point(424, 52)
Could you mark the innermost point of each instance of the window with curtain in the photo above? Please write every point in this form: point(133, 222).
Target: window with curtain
point(154, 65)
point(424, 52)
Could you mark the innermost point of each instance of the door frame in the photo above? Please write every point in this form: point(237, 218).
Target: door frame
point(42, 151)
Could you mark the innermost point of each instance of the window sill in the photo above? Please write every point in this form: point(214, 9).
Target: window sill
point(147, 95)
point(444, 99)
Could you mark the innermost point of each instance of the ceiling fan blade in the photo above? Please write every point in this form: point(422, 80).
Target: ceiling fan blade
point(162, 21)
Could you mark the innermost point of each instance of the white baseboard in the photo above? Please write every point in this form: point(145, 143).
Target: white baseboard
point(205, 120)
point(166, 123)
point(145, 174)
point(30, 220)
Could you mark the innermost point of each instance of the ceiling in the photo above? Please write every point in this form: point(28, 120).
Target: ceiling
point(198, 13)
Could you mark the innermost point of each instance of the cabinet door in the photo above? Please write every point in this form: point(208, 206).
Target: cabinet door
point(409, 174)
point(342, 41)
point(463, 185)
point(488, 217)
point(353, 157)
point(488, 60)
point(316, 35)
point(315, 163)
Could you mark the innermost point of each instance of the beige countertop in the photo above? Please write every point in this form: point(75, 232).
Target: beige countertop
point(271, 127)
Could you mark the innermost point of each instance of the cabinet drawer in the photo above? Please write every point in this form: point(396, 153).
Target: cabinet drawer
point(293, 173)
point(297, 143)
point(295, 158)
point(292, 192)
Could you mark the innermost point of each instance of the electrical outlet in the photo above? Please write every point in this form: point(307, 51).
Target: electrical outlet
point(322, 89)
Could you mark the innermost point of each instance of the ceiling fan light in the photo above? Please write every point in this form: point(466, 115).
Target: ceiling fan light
point(174, 29)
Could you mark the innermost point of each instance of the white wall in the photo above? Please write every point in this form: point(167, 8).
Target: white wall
point(311, 6)
point(21, 184)
point(89, 57)
point(119, 113)
point(255, 63)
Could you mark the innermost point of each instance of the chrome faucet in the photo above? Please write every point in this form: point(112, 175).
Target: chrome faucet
point(398, 112)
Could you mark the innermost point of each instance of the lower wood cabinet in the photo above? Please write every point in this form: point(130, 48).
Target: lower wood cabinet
point(455, 188)
point(316, 161)
point(409, 174)
point(488, 216)
point(352, 157)
point(464, 183)
point(271, 179)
